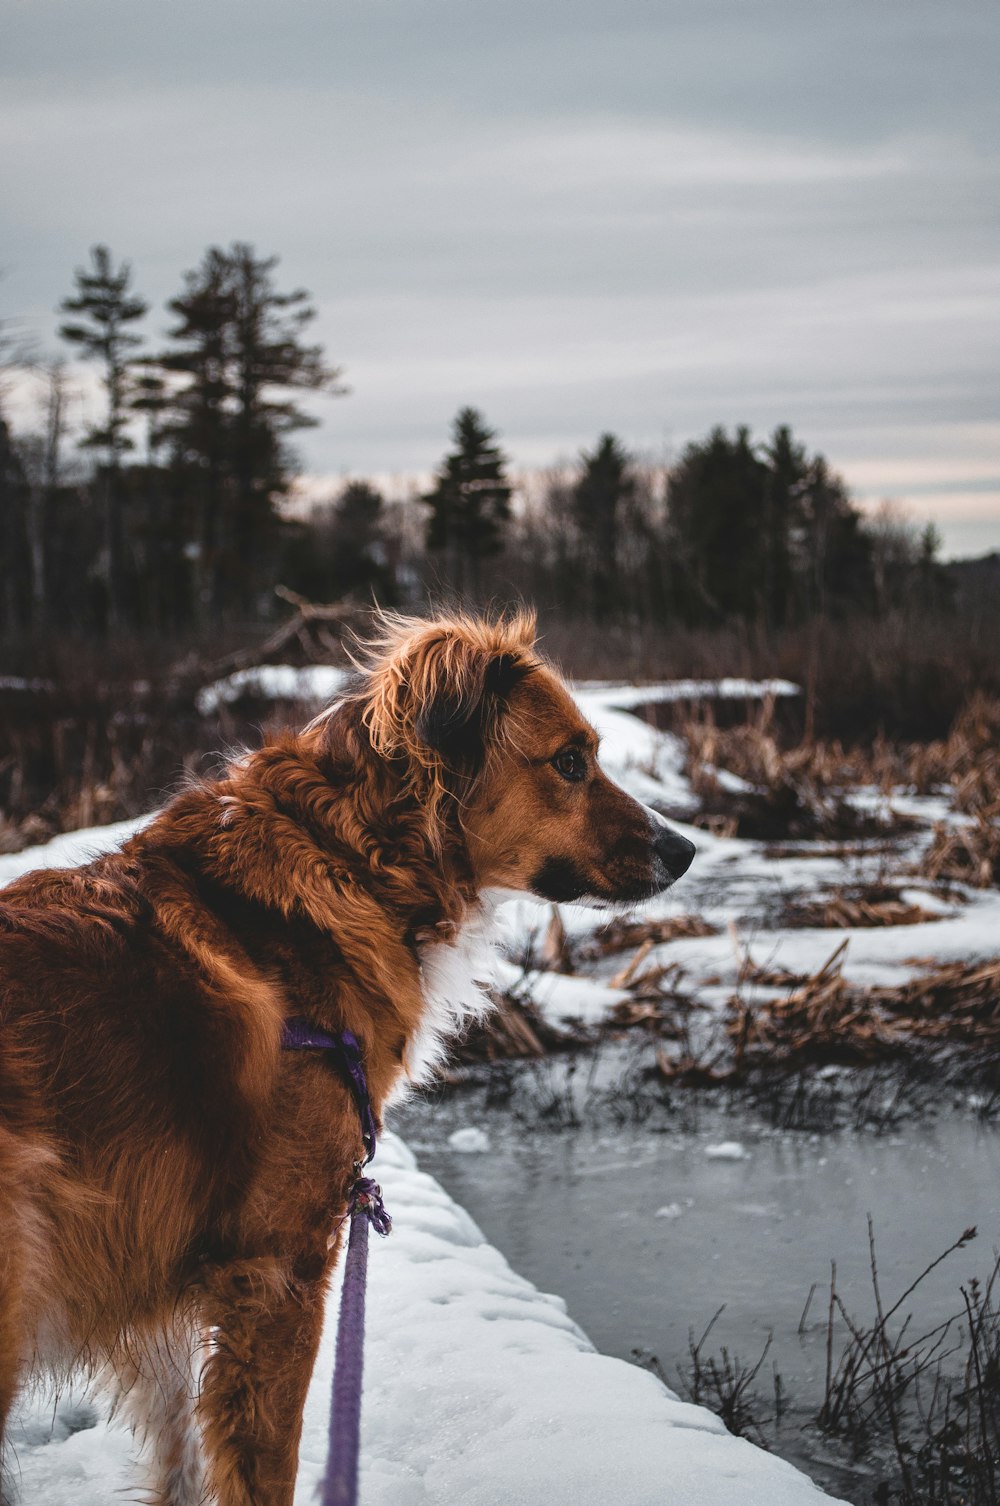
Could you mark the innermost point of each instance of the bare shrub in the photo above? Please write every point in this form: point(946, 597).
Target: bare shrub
point(891, 1381)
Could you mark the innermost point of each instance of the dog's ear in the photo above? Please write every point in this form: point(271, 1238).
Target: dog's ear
point(460, 715)
point(438, 688)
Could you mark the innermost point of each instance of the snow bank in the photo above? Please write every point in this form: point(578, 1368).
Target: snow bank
point(321, 682)
point(313, 682)
point(561, 999)
point(479, 1390)
point(68, 850)
point(726, 689)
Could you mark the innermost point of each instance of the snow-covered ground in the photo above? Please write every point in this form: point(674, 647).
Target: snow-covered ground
point(740, 888)
point(311, 682)
point(479, 1389)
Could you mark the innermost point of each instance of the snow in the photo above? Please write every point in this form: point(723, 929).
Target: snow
point(563, 1000)
point(68, 850)
point(727, 1150)
point(313, 682)
point(735, 885)
point(479, 1389)
point(648, 763)
point(629, 696)
point(18, 682)
point(470, 1140)
point(321, 682)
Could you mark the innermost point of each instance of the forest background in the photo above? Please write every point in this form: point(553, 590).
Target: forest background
point(143, 550)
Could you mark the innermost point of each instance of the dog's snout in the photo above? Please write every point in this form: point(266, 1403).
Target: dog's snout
point(674, 851)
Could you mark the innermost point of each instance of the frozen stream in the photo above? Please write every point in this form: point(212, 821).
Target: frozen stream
point(647, 1233)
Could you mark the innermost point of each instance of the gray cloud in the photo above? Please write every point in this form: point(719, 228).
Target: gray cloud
point(651, 217)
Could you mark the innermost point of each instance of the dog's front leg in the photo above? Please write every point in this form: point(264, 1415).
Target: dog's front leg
point(267, 1324)
point(156, 1385)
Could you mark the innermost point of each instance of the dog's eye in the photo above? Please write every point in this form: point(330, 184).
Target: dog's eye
point(570, 765)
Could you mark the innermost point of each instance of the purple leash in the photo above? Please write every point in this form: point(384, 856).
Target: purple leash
point(364, 1207)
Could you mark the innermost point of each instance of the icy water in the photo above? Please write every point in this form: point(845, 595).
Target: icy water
point(646, 1234)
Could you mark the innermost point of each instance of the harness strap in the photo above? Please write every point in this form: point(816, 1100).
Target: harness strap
point(364, 1207)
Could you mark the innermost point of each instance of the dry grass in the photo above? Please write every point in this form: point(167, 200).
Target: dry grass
point(801, 790)
point(621, 935)
point(726, 1385)
point(824, 1018)
point(100, 745)
point(98, 732)
point(968, 854)
point(514, 1030)
point(920, 1407)
point(864, 906)
point(933, 1396)
point(968, 759)
point(907, 675)
point(787, 792)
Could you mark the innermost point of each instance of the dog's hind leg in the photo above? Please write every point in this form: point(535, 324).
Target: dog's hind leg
point(12, 1340)
point(267, 1327)
point(16, 1253)
point(157, 1386)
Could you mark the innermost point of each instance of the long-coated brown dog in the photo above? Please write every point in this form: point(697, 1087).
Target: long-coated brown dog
point(170, 1180)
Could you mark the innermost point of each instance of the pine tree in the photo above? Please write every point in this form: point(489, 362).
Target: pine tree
point(340, 549)
point(104, 309)
point(40, 456)
point(15, 556)
point(787, 471)
point(238, 353)
point(836, 554)
point(359, 553)
point(600, 498)
point(470, 502)
point(717, 508)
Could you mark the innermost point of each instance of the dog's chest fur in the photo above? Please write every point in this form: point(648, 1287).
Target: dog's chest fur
point(456, 977)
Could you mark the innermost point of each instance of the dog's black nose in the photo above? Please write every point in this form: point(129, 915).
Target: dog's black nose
point(674, 851)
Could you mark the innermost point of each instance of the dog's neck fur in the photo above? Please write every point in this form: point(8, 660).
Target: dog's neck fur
point(317, 827)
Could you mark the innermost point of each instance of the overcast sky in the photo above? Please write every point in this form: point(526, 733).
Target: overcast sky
point(606, 214)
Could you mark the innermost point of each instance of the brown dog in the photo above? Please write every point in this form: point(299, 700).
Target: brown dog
point(169, 1178)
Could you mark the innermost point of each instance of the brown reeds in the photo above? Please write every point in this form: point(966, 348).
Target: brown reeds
point(967, 854)
point(825, 1018)
point(620, 935)
point(863, 907)
point(797, 792)
point(515, 1029)
point(803, 790)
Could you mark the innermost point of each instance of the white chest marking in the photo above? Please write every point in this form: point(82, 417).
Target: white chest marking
point(456, 976)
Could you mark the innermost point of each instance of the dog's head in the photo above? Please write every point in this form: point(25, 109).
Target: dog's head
point(489, 737)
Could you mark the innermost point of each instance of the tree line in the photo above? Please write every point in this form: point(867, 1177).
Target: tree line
point(174, 519)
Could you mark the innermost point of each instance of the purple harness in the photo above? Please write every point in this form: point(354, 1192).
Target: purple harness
point(364, 1207)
